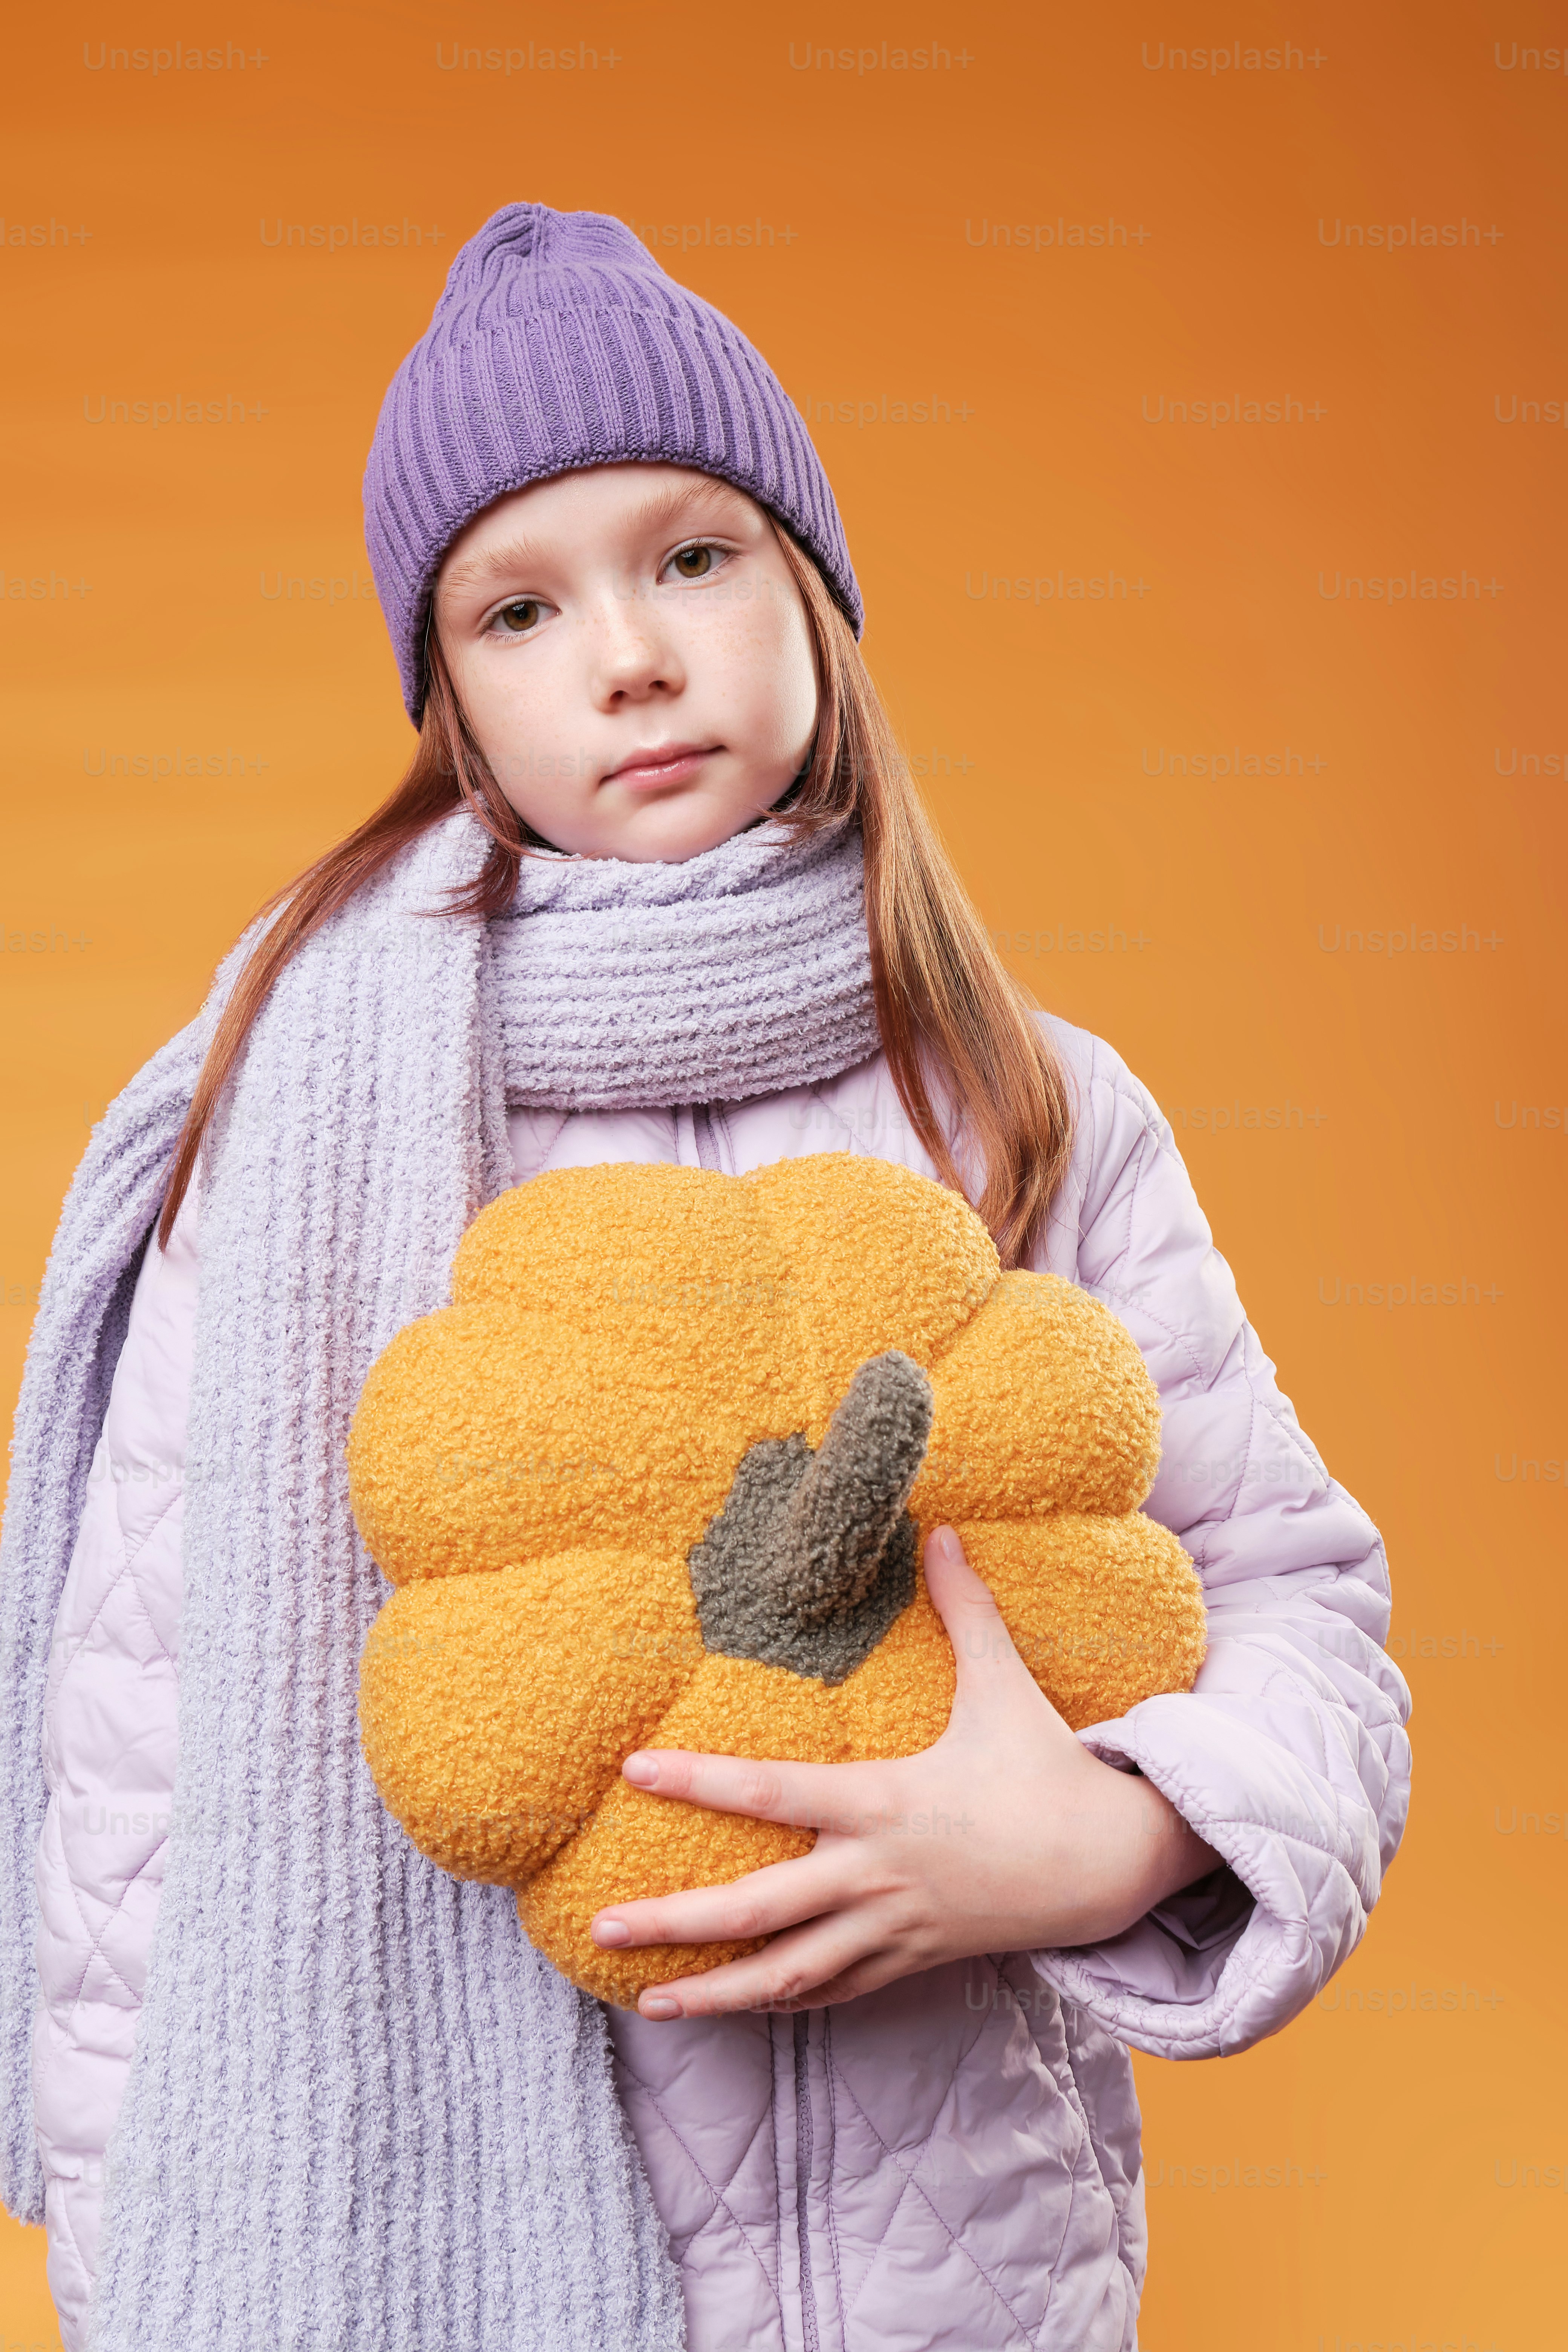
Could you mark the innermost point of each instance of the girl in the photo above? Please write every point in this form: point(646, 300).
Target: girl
point(656, 888)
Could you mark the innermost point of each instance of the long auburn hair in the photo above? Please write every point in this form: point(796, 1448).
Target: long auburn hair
point(946, 1007)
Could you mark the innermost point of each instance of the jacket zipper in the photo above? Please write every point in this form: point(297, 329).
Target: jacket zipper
point(706, 1136)
point(803, 2153)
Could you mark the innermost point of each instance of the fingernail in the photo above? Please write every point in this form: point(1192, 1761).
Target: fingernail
point(640, 1770)
point(611, 1931)
point(948, 1547)
point(658, 2004)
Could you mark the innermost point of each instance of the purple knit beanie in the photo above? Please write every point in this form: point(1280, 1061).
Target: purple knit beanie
point(559, 342)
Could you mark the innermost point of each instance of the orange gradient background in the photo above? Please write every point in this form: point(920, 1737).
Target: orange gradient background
point(1432, 797)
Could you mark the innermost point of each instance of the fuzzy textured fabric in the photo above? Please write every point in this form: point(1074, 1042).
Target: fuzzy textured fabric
point(558, 343)
point(814, 1554)
point(665, 1403)
point(363, 2115)
point(735, 973)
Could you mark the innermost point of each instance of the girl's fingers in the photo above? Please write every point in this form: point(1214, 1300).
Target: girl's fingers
point(837, 1797)
point(850, 1799)
point(810, 1960)
point(966, 1606)
point(761, 1904)
point(826, 1942)
point(987, 1663)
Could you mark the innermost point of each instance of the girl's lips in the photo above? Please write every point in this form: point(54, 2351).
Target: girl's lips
point(646, 772)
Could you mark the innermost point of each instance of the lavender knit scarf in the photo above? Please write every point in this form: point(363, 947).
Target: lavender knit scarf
point(363, 2115)
point(737, 973)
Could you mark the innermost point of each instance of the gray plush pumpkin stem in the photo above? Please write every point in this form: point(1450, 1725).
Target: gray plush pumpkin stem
point(813, 1555)
point(845, 1509)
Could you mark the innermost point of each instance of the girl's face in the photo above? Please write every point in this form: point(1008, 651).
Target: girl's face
point(633, 656)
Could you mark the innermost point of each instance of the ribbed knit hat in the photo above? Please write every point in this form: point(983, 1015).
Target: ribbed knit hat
point(559, 342)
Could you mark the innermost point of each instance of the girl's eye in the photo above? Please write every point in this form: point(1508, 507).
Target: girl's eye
point(695, 562)
point(520, 617)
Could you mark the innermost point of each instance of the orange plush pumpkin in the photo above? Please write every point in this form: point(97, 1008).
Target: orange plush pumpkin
point(658, 1477)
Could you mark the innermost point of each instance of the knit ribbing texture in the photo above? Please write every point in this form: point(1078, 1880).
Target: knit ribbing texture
point(558, 344)
point(740, 971)
point(363, 2115)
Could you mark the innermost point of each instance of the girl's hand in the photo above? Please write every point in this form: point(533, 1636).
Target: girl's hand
point(1006, 1836)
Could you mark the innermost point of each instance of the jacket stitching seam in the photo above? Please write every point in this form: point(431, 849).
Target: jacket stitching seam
point(919, 2150)
point(879, 2243)
point(141, 1596)
point(561, 1118)
point(831, 2073)
point(133, 1551)
point(61, 2221)
point(729, 2178)
point(1207, 1381)
point(96, 1949)
point(1131, 2008)
point(1084, 2141)
point(720, 2201)
point(941, 2219)
point(120, 1572)
point(846, 1126)
point(111, 1588)
point(1099, 2141)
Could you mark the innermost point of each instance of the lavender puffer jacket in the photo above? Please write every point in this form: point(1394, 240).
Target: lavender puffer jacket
point(952, 2162)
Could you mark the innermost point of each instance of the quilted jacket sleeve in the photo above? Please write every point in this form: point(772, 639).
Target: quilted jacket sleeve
point(110, 1739)
point(1289, 1757)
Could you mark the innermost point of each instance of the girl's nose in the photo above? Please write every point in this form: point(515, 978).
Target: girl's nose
point(635, 658)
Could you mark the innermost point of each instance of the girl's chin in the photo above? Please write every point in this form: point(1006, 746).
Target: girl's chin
point(666, 829)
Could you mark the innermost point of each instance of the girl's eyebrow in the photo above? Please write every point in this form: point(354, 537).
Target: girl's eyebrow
point(663, 506)
point(673, 499)
point(492, 563)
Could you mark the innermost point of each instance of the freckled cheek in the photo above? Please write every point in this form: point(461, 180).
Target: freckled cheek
point(525, 715)
point(755, 667)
